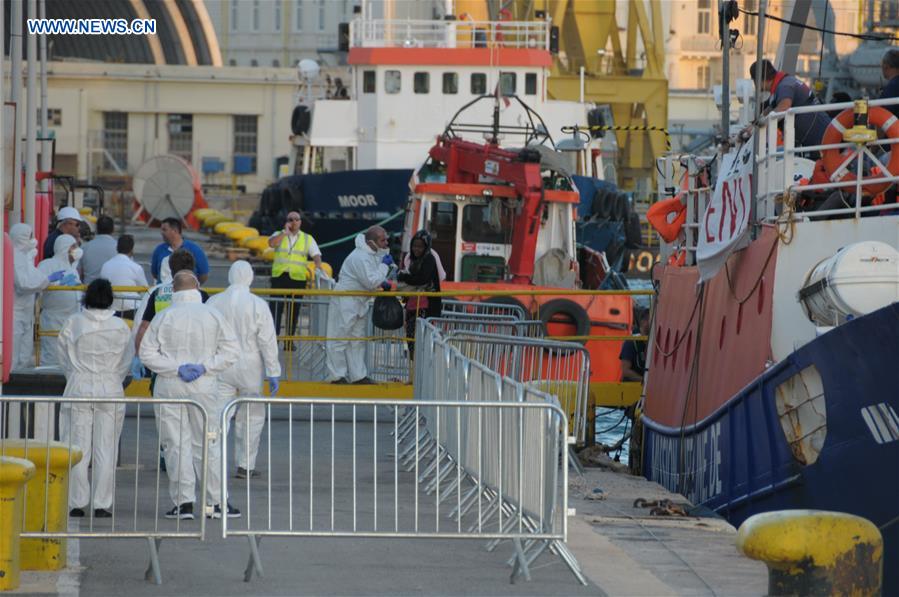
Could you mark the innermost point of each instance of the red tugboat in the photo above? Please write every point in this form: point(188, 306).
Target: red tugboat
point(503, 219)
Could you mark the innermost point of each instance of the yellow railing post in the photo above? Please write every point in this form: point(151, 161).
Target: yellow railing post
point(14, 474)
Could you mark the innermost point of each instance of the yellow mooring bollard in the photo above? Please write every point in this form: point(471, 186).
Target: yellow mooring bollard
point(14, 474)
point(814, 552)
point(45, 554)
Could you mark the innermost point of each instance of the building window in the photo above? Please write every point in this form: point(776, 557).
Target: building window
point(54, 117)
point(277, 17)
point(703, 76)
point(181, 135)
point(115, 140)
point(750, 23)
point(451, 83)
point(298, 16)
point(421, 83)
point(254, 62)
point(530, 84)
point(393, 81)
point(507, 83)
point(232, 62)
point(255, 15)
point(368, 81)
point(478, 83)
point(321, 15)
point(704, 25)
point(276, 63)
point(245, 143)
point(235, 14)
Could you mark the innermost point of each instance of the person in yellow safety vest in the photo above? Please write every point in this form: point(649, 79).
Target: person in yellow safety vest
point(293, 250)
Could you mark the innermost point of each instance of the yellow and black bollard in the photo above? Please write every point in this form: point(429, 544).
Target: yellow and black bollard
point(814, 552)
point(47, 493)
point(14, 474)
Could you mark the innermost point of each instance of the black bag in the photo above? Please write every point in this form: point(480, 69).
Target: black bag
point(387, 313)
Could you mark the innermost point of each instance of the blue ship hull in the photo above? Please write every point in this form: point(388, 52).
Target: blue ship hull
point(738, 461)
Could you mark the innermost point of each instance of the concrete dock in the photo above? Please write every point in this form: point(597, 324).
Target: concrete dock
point(621, 549)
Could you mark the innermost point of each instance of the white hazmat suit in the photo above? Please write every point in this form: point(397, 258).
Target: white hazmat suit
point(251, 320)
point(29, 281)
point(347, 315)
point(58, 306)
point(95, 351)
point(189, 332)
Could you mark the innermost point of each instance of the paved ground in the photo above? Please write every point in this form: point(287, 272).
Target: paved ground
point(621, 550)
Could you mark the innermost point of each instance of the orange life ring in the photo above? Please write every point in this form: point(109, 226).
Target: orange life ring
point(659, 214)
point(832, 159)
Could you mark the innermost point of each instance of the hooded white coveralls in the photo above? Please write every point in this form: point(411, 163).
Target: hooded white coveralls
point(28, 282)
point(251, 320)
point(57, 306)
point(95, 352)
point(347, 315)
point(189, 332)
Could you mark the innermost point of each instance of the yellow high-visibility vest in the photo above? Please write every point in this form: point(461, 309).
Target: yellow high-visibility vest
point(292, 260)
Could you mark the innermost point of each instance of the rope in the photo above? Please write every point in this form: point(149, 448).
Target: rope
point(353, 235)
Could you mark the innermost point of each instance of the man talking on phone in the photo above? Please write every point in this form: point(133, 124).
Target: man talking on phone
point(293, 250)
point(365, 269)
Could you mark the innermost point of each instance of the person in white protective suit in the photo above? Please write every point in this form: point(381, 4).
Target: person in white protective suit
point(366, 269)
point(251, 319)
point(28, 282)
point(188, 345)
point(95, 351)
point(58, 306)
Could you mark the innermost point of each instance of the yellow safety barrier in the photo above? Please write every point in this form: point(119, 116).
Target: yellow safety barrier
point(51, 481)
point(814, 552)
point(14, 474)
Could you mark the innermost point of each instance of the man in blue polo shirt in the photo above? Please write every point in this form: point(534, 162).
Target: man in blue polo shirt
point(171, 235)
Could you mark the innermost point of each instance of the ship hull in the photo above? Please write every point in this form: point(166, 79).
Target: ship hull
point(739, 460)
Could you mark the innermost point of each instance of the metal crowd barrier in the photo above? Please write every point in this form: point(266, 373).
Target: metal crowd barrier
point(504, 325)
point(558, 368)
point(42, 427)
point(457, 308)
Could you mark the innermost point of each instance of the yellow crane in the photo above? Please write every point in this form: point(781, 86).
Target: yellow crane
point(629, 78)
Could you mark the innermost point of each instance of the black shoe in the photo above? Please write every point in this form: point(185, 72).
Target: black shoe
point(342, 380)
point(365, 381)
point(76, 512)
point(101, 513)
point(217, 512)
point(183, 512)
point(162, 463)
point(242, 473)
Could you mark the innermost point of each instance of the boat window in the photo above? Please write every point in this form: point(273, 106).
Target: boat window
point(450, 83)
point(507, 83)
point(421, 82)
point(392, 81)
point(368, 81)
point(491, 223)
point(478, 83)
point(530, 84)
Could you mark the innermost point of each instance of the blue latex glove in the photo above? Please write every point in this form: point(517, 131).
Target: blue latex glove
point(199, 370)
point(385, 285)
point(273, 385)
point(70, 279)
point(186, 373)
point(137, 369)
point(388, 260)
point(56, 276)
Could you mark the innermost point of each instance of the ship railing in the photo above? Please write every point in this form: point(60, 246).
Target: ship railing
point(75, 468)
point(862, 165)
point(462, 33)
point(681, 176)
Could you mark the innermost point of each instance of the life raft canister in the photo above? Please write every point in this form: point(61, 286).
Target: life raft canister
point(833, 159)
point(659, 216)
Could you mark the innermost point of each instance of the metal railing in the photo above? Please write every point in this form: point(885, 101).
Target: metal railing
point(457, 308)
point(120, 460)
point(393, 33)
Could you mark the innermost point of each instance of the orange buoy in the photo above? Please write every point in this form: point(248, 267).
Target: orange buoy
point(832, 159)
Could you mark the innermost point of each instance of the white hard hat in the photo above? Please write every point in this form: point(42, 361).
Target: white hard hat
point(69, 213)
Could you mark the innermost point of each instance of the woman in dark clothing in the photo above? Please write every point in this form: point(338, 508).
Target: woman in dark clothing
point(422, 273)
